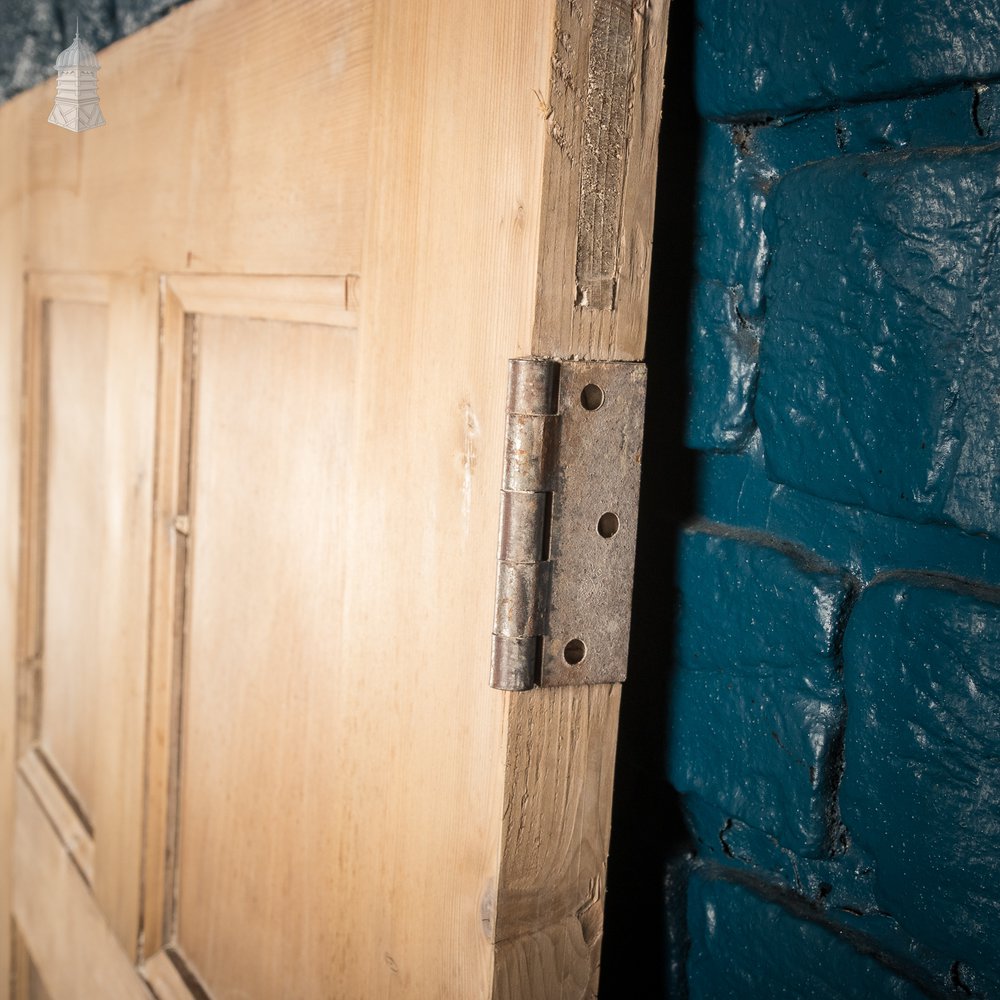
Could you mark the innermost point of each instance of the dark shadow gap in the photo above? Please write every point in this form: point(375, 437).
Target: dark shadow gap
point(644, 908)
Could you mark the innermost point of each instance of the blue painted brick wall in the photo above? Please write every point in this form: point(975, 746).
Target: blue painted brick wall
point(834, 717)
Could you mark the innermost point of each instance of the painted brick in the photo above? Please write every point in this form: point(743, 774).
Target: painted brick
point(724, 348)
point(921, 786)
point(739, 166)
point(747, 947)
point(734, 489)
point(756, 704)
point(727, 305)
point(879, 367)
point(767, 58)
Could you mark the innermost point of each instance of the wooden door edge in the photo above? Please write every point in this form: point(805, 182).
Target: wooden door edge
point(560, 742)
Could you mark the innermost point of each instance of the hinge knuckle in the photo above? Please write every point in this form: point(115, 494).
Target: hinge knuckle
point(522, 526)
point(514, 663)
point(532, 385)
point(530, 459)
point(520, 606)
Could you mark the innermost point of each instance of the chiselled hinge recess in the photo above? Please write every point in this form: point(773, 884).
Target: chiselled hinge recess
point(568, 509)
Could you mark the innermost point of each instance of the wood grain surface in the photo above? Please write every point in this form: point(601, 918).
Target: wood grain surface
point(323, 229)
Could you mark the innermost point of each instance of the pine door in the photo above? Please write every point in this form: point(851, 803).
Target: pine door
point(253, 347)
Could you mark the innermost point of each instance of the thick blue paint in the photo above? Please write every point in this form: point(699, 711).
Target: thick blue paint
point(921, 786)
point(744, 946)
point(880, 357)
point(735, 489)
point(844, 313)
point(768, 58)
point(756, 705)
point(739, 170)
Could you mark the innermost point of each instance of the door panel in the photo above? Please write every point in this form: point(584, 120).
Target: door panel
point(265, 677)
point(265, 334)
point(90, 378)
point(76, 335)
point(261, 677)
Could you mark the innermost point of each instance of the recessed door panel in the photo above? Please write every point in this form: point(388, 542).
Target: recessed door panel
point(75, 520)
point(90, 348)
point(264, 672)
point(257, 494)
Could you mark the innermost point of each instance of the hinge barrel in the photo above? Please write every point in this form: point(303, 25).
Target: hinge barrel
point(530, 462)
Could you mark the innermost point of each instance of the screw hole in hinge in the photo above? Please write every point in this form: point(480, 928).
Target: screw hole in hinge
point(592, 397)
point(574, 652)
point(608, 525)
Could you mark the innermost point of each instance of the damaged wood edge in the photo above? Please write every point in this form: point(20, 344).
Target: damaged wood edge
point(604, 152)
point(602, 116)
point(548, 916)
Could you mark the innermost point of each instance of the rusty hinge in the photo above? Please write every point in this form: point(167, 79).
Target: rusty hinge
point(568, 508)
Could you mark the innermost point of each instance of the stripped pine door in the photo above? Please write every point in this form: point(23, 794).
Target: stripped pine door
point(253, 347)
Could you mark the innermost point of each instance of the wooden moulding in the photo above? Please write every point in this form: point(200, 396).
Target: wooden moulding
point(328, 301)
point(57, 802)
point(54, 909)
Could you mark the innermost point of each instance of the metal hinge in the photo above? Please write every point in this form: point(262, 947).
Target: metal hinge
point(568, 509)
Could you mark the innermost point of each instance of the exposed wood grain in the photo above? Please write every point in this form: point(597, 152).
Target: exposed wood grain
point(27, 982)
point(70, 286)
point(167, 598)
point(550, 901)
point(50, 793)
point(605, 95)
point(75, 550)
point(456, 174)
point(31, 562)
point(123, 626)
point(267, 689)
point(295, 299)
point(561, 742)
point(235, 137)
point(90, 378)
point(66, 933)
point(13, 235)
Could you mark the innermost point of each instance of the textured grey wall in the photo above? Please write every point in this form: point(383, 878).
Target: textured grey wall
point(34, 32)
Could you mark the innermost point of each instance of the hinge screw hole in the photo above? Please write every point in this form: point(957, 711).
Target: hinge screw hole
point(574, 652)
point(608, 525)
point(592, 397)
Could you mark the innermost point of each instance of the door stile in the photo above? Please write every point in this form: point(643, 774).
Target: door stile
point(561, 742)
